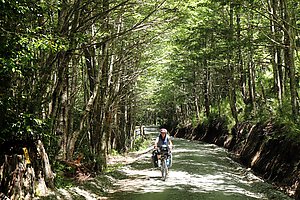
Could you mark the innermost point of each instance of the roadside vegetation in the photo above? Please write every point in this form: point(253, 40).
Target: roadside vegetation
point(78, 77)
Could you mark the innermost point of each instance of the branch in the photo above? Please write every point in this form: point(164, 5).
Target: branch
point(135, 26)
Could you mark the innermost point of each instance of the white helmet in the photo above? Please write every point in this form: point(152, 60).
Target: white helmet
point(163, 130)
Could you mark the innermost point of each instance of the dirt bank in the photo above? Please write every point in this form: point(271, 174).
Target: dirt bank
point(261, 147)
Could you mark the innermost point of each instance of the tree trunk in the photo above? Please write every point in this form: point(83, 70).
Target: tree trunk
point(47, 172)
point(123, 121)
point(251, 66)
point(87, 111)
point(230, 66)
point(276, 49)
point(289, 57)
point(26, 171)
point(206, 89)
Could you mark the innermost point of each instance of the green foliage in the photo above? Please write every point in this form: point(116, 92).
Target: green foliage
point(195, 121)
point(64, 175)
point(21, 40)
point(112, 170)
point(24, 127)
point(282, 117)
point(141, 143)
point(204, 43)
point(114, 152)
point(169, 60)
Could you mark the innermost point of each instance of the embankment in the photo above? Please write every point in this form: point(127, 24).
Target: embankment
point(261, 147)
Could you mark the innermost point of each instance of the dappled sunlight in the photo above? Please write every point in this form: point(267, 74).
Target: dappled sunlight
point(144, 181)
point(87, 194)
point(76, 192)
point(66, 195)
point(199, 171)
point(186, 150)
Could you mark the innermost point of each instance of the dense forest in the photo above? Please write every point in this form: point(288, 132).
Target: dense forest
point(79, 75)
point(238, 59)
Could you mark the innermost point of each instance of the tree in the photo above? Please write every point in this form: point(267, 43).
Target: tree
point(229, 53)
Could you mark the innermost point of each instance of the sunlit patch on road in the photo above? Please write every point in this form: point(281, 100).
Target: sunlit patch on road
point(144, 181)
point(199, 171)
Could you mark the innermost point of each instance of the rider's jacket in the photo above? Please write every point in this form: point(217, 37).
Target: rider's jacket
point(162, 141)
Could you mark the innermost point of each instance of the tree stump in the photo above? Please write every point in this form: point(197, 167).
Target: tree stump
point(25, 170)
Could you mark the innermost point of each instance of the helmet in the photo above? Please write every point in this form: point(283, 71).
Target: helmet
point(163, 130)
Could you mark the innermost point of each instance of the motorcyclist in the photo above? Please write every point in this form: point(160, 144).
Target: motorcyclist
point(162, 139)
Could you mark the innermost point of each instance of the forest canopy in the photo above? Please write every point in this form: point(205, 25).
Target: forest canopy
point(237, 60)
point(81, 75)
